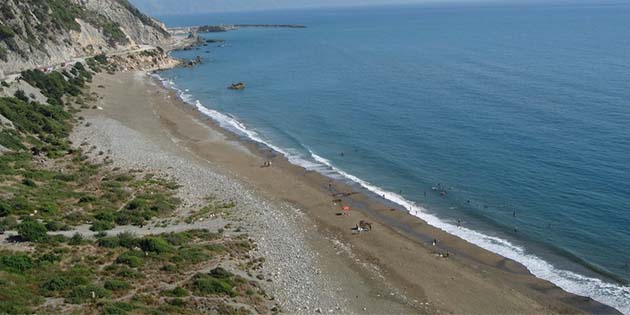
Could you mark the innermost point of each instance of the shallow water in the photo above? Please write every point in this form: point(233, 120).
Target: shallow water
point(519, 114)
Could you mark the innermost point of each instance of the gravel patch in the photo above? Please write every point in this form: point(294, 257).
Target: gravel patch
point(290, 271)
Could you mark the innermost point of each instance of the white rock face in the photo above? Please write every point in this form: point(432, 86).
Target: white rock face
point(52, 45)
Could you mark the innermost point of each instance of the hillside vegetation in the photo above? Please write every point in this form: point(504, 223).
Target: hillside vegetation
point(38, 33)
point(50, 189)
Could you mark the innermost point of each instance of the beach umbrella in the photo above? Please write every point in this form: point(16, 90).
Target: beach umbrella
point(345, 208)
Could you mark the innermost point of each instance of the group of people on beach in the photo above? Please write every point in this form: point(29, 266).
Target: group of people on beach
point(266, 164)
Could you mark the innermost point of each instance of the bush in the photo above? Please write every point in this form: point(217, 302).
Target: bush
point(6, 32)
point(56, 226)
point(155, 245)
point(117, 308)
point(106, 215)
point(108, 242)
point(83, 293)
point(87, 198)
point(124, 271)
point(190, 255)
point(4, 209)
point(20, 95)
point(116, 285)
point(76, 239)
point(36, 119)
point(218, 281)
point(125, 239)
point(50, 257)
point(176, 302)
point(11, 140)
point(176, 292)
point(16, 263)
point(29, 182)
point(8, 223)
point(53, 85)
point(131, 258)
point(62, 282)
point(100, 225)
point(32, 231)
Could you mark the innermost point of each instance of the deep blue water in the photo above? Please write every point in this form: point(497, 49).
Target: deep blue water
point(522, 113)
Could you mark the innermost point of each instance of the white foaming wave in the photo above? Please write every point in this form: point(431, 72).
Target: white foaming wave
point(234, 125)
point(615, 295)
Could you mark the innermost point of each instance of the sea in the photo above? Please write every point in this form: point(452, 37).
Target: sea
point(506, 125)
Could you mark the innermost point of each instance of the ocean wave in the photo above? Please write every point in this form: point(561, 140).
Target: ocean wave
point(615, 295)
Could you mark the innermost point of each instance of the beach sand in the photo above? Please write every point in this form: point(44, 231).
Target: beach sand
point(315, 260)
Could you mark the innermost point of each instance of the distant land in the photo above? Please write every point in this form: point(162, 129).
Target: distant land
point(230, 27)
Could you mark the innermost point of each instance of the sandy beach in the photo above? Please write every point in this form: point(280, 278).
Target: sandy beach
point(315, 262)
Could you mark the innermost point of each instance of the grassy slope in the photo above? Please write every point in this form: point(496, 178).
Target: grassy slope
point(46, 186)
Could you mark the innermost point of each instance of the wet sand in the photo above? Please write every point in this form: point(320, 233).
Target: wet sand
point(392, 269)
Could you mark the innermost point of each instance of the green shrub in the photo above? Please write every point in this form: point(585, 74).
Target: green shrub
point(105, 215)
point(8, 223)
point(76, 239)
point(62, 282)
point(127, 240)
point(11, 140)
point(20, 95)
point(4, 209)
point(37, 119)
point(177, 239)
point(100, 225)
point(155, 245)
point(4, 54)
point(6, 32)
point(83, 293)
point(117, 308)
point(55, 226)
point(131, 258)
point(218, 282)
point(190, 255)
point(16, 262)
point(108, 242)
point(176, 302)
point(29, 182)
point(169, 268)
point(124, 271)
point(116, 285)
point(176, 292)
point(53, 85)
point(114, 33)
point(87, 199)
point(33, 231)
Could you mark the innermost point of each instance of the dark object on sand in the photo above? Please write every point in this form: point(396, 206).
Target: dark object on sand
point(365, 225)
point(237, 86)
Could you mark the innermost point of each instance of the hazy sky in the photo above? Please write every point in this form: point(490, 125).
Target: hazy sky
point(166, 7)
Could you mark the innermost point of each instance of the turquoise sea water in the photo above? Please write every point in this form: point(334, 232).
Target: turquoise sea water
point(520, 113)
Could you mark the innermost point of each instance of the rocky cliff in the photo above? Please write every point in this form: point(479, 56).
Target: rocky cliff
point(41, 33)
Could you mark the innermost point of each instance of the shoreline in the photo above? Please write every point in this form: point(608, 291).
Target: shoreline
point(368, 199)
point(502, 285)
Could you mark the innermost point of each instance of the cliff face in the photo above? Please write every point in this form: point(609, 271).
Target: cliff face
point(40, 33)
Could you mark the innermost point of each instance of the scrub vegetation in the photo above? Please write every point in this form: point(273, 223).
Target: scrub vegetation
point(51, 192)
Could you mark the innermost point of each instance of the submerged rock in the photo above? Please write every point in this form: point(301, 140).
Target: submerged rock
point(237, 86)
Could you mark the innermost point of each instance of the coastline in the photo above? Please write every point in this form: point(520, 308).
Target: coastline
point(430, 284)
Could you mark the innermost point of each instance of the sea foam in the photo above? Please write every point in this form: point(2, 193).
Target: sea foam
point(611, 294)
